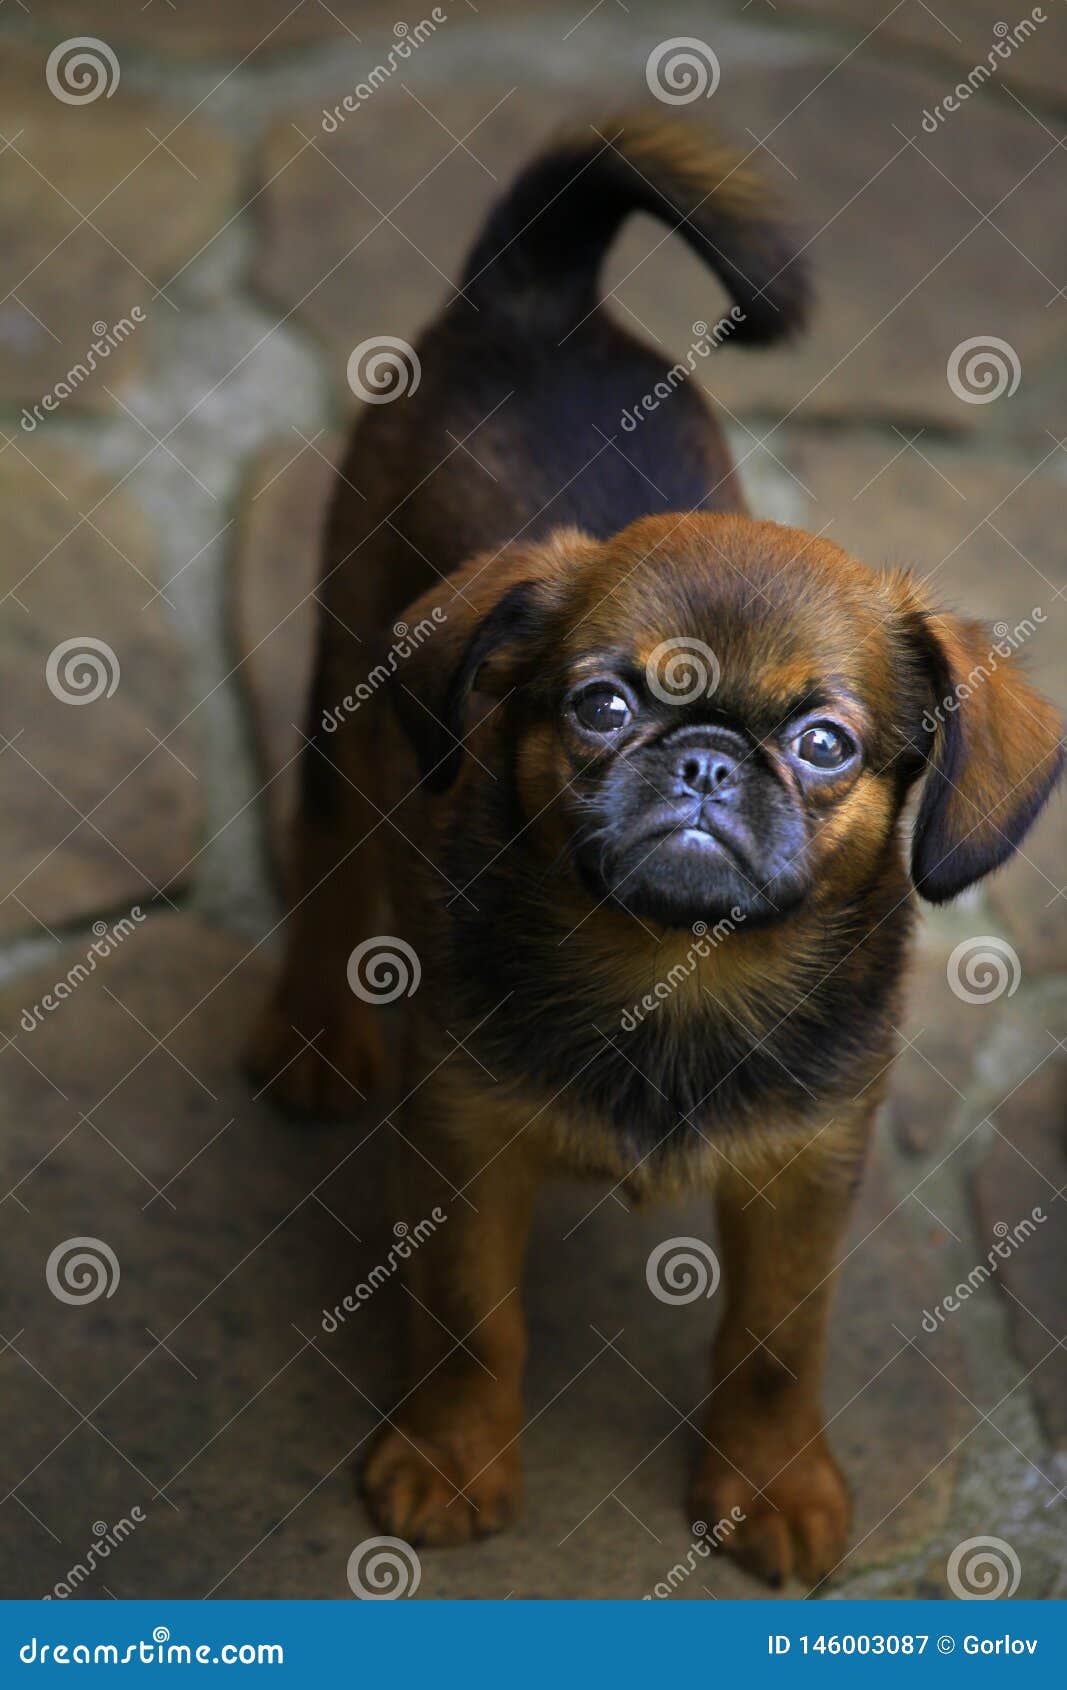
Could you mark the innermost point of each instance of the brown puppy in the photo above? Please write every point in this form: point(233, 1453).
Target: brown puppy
point(631, 792)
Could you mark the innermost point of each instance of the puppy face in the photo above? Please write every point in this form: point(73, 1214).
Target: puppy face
point(708, 715)
point(719, 741)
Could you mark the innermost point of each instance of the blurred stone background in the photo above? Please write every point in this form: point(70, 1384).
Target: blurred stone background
point(191, 208)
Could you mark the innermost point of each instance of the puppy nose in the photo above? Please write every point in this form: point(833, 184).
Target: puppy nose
point(705, 772)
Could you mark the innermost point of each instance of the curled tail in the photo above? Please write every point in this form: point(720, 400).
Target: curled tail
point(541, 248)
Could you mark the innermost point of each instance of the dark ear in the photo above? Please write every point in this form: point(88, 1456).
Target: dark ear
point(995, 753)
point(432, 689)
point(491, 615)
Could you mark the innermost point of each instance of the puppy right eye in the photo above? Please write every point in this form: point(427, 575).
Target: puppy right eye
point(601, 710)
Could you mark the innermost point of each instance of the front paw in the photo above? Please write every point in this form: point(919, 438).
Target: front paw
point(320, 1060)
point(445, 1488)
point(775, 1499)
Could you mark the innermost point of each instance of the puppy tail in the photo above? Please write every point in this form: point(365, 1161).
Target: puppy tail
point(540, 252)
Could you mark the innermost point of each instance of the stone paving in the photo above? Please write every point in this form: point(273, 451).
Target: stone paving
point(166, 504)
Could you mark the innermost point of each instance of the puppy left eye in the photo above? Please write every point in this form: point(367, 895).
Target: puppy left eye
point(823, 746)
point(602, 710)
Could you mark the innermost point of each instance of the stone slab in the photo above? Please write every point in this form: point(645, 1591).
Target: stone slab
point(365, 229)
point(978, 530)
point(904, 268)
point(964, 33)
point(98, 815)
point(1025, 1172)
point(102, 202)
point(940, 1038)
point(202, 29)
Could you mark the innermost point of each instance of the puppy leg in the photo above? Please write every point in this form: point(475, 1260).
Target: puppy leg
point(318, 1046)
point(446, 1468)
point(766, 1455)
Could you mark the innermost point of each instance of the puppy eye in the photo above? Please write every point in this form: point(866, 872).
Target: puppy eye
point(602, 710)
point(823, 746)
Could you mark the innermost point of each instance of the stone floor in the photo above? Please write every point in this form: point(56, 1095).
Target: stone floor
point(166, 508)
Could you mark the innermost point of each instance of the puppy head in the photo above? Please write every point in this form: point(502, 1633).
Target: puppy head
point(707, 715)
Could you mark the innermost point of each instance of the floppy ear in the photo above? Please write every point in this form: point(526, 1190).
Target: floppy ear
point(995, 754)
point(489, 616)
